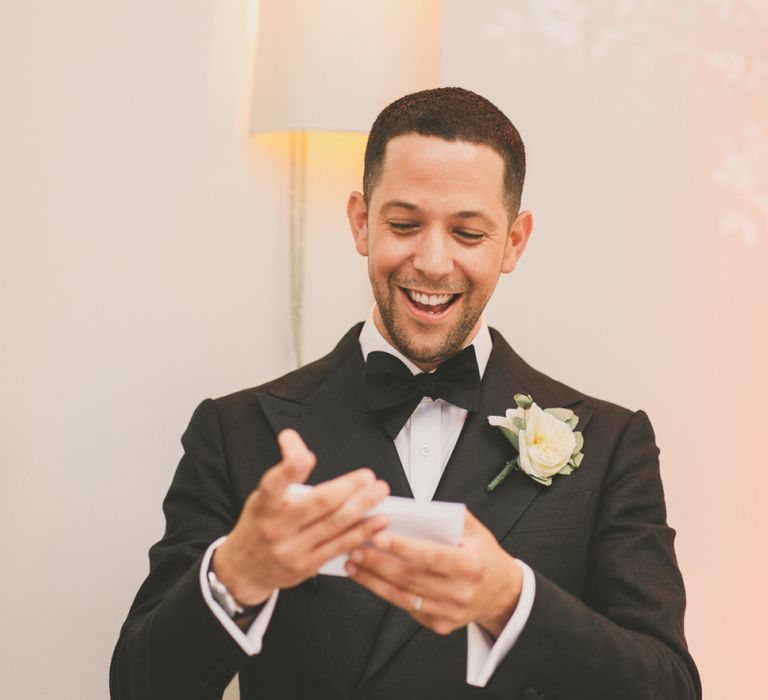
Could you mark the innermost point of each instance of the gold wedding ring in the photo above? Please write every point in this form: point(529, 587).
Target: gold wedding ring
point(418, 601)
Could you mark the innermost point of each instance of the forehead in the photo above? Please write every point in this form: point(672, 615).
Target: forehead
point(429, 166)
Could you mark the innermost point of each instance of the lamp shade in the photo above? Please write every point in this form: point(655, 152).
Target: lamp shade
point(332, 65)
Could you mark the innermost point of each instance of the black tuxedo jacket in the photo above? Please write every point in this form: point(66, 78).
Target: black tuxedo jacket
point(607, 621)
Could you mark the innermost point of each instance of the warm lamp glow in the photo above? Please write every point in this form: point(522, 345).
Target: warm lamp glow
point(331, 65)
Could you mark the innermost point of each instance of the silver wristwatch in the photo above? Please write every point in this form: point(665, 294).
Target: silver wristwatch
point(226, 601)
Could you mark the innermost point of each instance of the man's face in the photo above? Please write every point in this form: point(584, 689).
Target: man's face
point(437, 236)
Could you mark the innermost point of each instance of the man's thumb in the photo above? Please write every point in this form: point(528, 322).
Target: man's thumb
point(296, 456)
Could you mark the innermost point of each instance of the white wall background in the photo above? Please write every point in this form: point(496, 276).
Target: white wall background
point(141, 240)
point(143, 267)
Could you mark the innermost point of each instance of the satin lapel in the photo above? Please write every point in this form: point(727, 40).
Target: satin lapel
point(480, 453)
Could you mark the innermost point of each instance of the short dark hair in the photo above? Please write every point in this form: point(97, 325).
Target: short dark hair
point(453, 114)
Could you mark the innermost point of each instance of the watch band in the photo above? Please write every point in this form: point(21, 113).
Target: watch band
point(226, 601)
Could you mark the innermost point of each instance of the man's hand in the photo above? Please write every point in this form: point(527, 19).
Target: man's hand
point(443, 587)
point(280, 540)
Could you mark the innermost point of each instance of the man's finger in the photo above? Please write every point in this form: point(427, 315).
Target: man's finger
point(472, 526)
point(293, 449)
point(295, 466)
point(405, 576)
point(422, 554)
point(403, 598)
point(352, 538)
point(326, 523)
point(333, 506)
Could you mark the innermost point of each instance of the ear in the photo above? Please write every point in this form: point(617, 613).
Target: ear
point(517, 238)
point(357, 213)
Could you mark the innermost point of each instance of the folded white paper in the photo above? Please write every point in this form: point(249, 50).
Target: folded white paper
point(439, 521)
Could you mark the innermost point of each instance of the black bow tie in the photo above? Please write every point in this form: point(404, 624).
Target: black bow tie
point(393, 392)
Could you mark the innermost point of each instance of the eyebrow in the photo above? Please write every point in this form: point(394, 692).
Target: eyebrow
point(399, 204)
point(466, 214)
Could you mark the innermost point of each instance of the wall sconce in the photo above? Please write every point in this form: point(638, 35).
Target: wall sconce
point(332, 65)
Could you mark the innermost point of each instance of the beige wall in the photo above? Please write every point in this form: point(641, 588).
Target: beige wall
point(143, 267)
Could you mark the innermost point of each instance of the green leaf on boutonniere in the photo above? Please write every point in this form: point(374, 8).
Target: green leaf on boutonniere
point(543, 480)
point(563, 414)
point(523, 401)
point(497, 480)
point(511, 435)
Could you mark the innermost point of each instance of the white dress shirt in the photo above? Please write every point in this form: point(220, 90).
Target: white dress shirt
point(424, 446)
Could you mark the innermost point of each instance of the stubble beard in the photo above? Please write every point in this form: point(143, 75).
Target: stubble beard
point(450, 345)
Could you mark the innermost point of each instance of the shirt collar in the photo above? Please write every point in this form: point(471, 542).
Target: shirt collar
point(371, 339)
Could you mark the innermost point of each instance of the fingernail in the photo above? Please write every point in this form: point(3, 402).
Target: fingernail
point(350, 568)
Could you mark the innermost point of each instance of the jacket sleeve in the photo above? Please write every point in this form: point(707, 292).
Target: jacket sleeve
point(625, 639)
point(171, 644)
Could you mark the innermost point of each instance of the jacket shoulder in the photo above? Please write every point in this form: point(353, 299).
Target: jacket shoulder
point(549, 392)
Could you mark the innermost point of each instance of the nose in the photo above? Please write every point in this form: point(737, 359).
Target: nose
point(433, 257)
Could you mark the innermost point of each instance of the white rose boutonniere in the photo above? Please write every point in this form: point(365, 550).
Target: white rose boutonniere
point(545, 440)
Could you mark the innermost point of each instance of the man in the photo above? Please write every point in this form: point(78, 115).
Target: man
point(567, 590)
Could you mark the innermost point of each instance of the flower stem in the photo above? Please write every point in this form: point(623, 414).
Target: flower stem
point(499, 479)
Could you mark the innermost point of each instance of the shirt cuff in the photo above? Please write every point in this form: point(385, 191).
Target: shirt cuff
point(250, 640)
point(483, 654)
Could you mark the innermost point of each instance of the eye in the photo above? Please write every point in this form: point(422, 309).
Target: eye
point(468, 236)
point(402, 226)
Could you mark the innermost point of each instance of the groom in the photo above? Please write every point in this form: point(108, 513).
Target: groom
point(566, 590)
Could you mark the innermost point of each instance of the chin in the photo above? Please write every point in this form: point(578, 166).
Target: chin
point(425, 343)
point(423, 350)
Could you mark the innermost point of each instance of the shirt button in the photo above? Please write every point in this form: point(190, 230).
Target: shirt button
point(426, 450)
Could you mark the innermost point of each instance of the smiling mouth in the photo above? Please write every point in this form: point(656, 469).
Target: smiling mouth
point(430, 303)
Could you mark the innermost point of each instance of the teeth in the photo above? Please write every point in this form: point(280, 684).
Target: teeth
point(429, 299)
